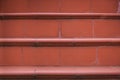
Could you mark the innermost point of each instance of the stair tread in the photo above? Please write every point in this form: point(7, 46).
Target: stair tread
point(37, 70)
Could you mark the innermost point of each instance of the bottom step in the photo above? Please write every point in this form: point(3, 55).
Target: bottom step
point(59, 72)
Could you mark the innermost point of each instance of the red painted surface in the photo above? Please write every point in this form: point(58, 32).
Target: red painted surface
point(1, 56)
point(109, 56)
point(78, 70)
point(77, 28)
point(75, 6)
point(107, 28)
point(95, 27)
point(68, 71)
point(41, 28)
point(13, 28)
point(119, 6)
point(63, 56)
point(29, 28)
point(41, 56)
point(53, 15)
point(11, 56)
point(9, 6)
point(104, 6)
point(78, 56)
point(1, 29)
point(43, 6)
point(60, 40)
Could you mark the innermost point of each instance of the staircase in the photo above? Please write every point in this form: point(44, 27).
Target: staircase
point(60, 39)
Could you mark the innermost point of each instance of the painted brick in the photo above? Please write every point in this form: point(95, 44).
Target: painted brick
point(12, 56)
point(78, 56)
point(109, 56)
point(75, 5)
point(43, 5)
point(1, 56)
point(30, 28)
point(0, 7)
point(107, 28)
point(11, 6)
point(77, 28)
point(41, 28)
point(118, 10)
point(104, 6)
point(1, 29)
point(43, 56)
point(13, 28)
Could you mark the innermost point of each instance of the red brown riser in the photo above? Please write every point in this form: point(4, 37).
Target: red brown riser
point(85, 6)
point(60, 56)
point(64, 28)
